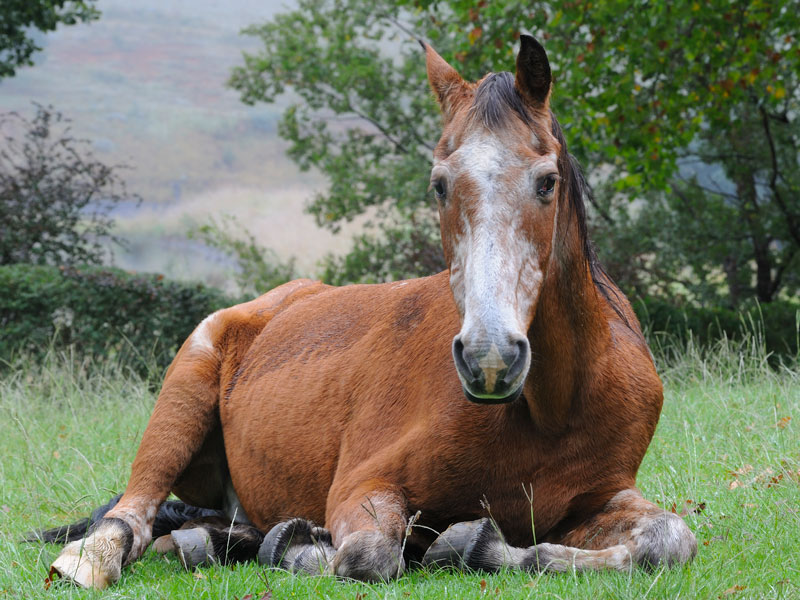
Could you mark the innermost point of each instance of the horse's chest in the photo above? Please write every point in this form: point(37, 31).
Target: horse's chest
point(513, 481)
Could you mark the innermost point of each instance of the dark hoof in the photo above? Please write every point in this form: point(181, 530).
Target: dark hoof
point(193, 547)
point(465, 545)
point(287, 535)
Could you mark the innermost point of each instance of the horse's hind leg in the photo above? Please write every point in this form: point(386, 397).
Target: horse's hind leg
point(185, 413)
point(629, 531)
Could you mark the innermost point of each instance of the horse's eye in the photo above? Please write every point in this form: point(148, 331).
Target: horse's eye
point(439, 189)
point(545, 186)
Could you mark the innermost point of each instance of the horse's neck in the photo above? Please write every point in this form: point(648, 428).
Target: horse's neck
point(568, 337)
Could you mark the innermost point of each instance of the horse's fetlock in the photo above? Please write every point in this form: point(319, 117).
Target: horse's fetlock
point(368, 555)
point(664, 540)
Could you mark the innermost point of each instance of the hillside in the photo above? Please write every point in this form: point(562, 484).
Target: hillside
point(146, 84)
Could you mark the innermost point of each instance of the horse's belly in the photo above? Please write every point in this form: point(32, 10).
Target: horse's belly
point(282, 445)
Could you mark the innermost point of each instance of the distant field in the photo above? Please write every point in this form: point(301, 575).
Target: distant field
point(727, 452)
point(146, 85)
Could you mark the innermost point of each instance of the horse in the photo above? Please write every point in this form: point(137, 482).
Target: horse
point(341, 406)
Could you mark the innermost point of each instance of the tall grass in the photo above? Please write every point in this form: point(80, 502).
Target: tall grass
point(726, 453)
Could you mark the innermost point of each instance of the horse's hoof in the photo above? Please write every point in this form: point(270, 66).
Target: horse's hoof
point(297, 545)
point(193, 547)
point(275, 549)
point(96, 561)
point(164, 544)
point(75, 565)
point(464, 545)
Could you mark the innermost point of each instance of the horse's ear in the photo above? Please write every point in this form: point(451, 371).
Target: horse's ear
point(446, 83)
point(533, 77)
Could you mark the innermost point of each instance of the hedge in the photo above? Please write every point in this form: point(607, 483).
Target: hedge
point(775, 323)
point(142, 319)
point(139, 319)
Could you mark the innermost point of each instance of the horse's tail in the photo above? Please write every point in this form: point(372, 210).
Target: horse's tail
point(171, 515)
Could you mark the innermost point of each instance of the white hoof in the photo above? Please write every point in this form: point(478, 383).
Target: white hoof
point(95, 561)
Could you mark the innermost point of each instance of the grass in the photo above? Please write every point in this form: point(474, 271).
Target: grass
point(727, 451)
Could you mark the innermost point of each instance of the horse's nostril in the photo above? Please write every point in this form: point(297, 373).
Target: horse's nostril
point(462, 360)
point(520, 360)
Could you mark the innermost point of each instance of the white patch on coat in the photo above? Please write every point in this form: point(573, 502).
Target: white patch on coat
point(201, 338)
point(493, 259)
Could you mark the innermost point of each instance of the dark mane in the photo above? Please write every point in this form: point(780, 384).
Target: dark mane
point(578, 192)
point(496, 100)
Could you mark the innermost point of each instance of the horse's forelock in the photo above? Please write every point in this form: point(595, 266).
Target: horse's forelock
point(496, 99)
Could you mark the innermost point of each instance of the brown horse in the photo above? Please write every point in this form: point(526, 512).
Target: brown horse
point(341, 405)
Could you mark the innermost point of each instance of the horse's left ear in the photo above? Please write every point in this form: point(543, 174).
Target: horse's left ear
point(450, 89)
point(533, 77)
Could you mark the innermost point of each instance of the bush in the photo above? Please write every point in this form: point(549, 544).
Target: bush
point(55, 196)
point(139, 319)
point(775, 323)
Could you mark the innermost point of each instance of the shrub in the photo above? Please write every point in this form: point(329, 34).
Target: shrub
point(775, 324)
point(139, 319)
point(55, 196)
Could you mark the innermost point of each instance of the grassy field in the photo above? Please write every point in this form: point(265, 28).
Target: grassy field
point(727, 452)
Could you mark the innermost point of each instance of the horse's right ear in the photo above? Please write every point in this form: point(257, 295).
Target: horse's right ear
point(533, 78)
point(446, 83)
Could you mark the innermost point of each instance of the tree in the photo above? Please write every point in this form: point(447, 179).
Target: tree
point(685, 115)
point(258, 269)
point(54, 195)
point(19, 17)
point(362, 117)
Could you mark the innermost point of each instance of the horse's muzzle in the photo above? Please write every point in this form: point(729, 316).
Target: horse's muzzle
point(492, 374)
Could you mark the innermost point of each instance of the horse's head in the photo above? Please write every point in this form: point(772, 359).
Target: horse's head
point(496, 180)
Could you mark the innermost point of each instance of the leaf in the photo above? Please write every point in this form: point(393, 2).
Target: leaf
point(733, 590)
point(775, 480)
point(783, 422)
point(483, 586)
point(734, 484)
point(198, 575)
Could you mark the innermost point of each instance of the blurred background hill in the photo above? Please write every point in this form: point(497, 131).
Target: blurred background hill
point(146, 85)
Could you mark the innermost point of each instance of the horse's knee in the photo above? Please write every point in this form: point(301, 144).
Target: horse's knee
point(664, 539)
point(96, 561)
point(368, 555)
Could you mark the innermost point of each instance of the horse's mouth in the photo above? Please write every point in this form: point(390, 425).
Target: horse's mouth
point(492, 399)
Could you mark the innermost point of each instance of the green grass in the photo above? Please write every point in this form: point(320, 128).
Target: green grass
point(68, 435)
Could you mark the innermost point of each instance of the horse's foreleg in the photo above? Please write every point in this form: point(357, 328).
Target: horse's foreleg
point(365, 540)
point(629, 531)
point(184, 414)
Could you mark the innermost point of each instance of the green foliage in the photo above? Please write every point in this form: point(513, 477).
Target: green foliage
point(54, 195)
point(684, 114)
point(19, 17)
point(258, 268)
point(402, 249)
point(140, 319)
point(362, 117)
